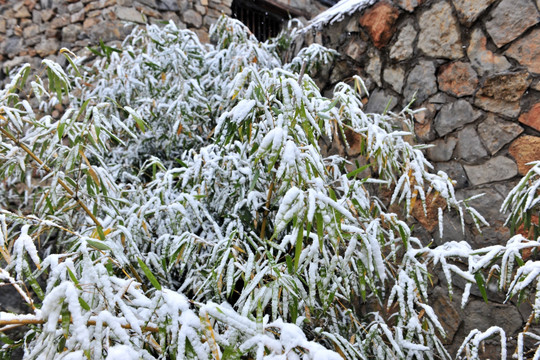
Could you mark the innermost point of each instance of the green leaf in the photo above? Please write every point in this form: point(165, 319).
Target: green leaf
point(298, 247)
point(481, 285)
point(98, 245)
point(84, 304)
point(149, 274)
point(357, 171)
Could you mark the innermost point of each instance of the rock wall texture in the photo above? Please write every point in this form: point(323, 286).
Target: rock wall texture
point(35, 29)
point(474, 65)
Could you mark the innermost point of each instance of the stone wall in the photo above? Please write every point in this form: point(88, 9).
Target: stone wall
point(474, 65)
point(34, 29)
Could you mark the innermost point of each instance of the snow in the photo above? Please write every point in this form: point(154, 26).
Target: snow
point(337, 12)
point(122, 352)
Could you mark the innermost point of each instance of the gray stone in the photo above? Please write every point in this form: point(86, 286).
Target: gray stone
point(488, 204)
point(379, 101)
point(70, 33)
point(496, 133)
point(439, 32)
point(403, 47)
point(191, 17)
point(442, 149)
point(469, 10)
point(483, 60)
point(469, 146)
point(169, 5)
point(31, 31)
point(501, 107)
point(395, 76)
point(421, 80)
point(452, 230)
point(498, 168)
point(47, 47)
point(510, 19)
point(355, 49)
point(481, 316)
point(129, 14)
point(75, 7)
point(12, 46)
point(374, 66)
point(455, 115)
point(455, 172)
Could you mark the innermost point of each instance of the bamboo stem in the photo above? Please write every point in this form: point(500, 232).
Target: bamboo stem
point(21, 322)
point(49, 170)
point(267, 210)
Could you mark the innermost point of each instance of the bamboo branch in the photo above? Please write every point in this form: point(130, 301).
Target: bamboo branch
point(49, 170)
point(12, 323)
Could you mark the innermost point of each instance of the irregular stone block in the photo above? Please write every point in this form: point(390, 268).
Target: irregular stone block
point(455, 172)
point(483, 60)
point(379, 101)
point(469, 147)
point(191, 17)
point(532, 117)
point(379, 21)
point(510, 19)
point(129, 14)
point(395, 76)
point(458, 79)
point(47, 47)
point(455, 115)
point(408, 5)
point(527, 51)
point(403, 47)
point(524, 150)
point(496, 133)
point(469, 10)
point(498, 168)
point(442, 149)
point(507, 87)
point(70, 33)
point(12, 46)
point(421, 80)
point(355, 49)
point(501, 107)
point(439, 32)
point(447, 314)
point(374, 66)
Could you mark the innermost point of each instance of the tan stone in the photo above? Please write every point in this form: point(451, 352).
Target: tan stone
point(458, 79)
point(532, 117)
point(23, 13)
point(507, 87)
point(527, 51)
point(379, 21)
point(501, 107)
point(429, 219)
point(524, 150)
